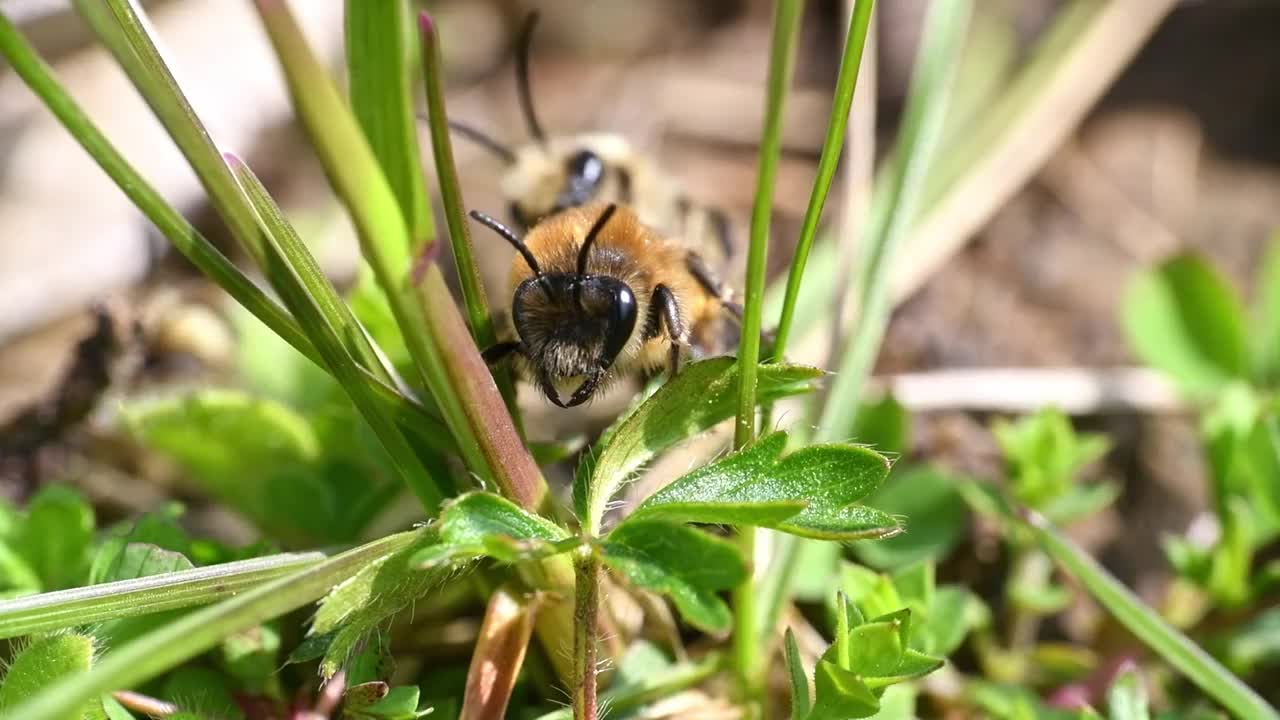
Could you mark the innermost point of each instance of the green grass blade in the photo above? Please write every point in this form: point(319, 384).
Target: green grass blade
point(786, 27)
point(1177, 649)
point(152, 654)
point(782, 46)
point(146, 68)
point(380, 64)
point(473, 295)
point(846, 83)
point(315, 302)
point(922, 125)
point(38, 76)
point(128, 598)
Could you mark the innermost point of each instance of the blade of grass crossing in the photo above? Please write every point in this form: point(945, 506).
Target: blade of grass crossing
point(473, 295)
point(1176, 649)
point(846, 83)
point(782, 44)
point(380, 66)
point(155, 652)
point(308, 293)
point(188, 241)
point(913, 155)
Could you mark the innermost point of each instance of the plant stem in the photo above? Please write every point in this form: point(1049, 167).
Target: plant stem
point(786, 25)
point(586, 625)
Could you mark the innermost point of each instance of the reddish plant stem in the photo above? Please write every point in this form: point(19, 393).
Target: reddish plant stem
point(586, 635)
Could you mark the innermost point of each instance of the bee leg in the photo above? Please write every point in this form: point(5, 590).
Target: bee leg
point(497, 353)
point(587, 387)
point(668, 309)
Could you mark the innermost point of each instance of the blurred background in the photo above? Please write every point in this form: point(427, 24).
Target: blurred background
point(1179, 151)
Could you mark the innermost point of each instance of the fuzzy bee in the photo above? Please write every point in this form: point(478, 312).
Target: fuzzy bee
point(552, 173)
point(597, 296)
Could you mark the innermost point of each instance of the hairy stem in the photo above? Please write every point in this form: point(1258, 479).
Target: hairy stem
point(585, 635)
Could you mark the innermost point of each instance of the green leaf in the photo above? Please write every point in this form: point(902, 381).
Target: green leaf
point(873, 592)
point(954, 612)
point(875, 648)
point(55, 537)
point(1182, 317)
point(483, 524)
point(1045, 454)
point(1147, 625)
point(1255, 645)
point(914, 664)
point(840, 694)
point(202, 691)
point(252, 658)
point(936, 518)
point(1127, 698)
point(118, 560)
point(727, 492)
point(1266, 317)
point(687, 565)
point(379, 590)
point(114, 710)
point(702, 395)
point(800, 702)
point(884, 425)
point(810, 492)
point(254, 455)
point(400, 703)
point(39, 664)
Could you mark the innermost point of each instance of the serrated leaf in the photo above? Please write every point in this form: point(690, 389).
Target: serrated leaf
point(702, 395)
point(1182, 317)
point(840, 694)
point(687, 565)
point(753, 486)
point(936, 518)
point(380, 590)
point(39, 664)
point(481, 524)
point(55, 537)
point(1127, 698)
point(800, 703)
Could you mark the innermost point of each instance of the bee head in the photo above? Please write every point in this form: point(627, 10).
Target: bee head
point(573, 326)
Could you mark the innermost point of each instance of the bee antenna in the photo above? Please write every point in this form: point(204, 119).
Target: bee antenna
point(523, 43)
point(508, 235)
point(585, 251)
point(483, 139)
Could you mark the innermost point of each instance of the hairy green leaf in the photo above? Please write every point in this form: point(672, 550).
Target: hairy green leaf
point(40, 663)
point(685, 564)
point(482, 524)
point(1182, 317)
point(810, 492)
point(702, 395)
point(381, 589)
point(800, 701)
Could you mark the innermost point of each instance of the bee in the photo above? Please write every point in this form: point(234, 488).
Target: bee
point(551, 174)
point(597, 295)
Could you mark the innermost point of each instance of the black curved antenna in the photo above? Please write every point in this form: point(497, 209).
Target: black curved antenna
point(523, 43)
point(510, 237)
point(585, 251)
point(484, 140)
